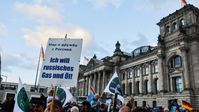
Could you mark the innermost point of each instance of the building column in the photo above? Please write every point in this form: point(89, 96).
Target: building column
point(126, 82)
point(160, 71)
point(84, 86)
point(171, 84)
point(90, 81)
point(185, 67)
point(150, 79)
point(99, 83)
point(141, 81)
point(103, 80)
point(87, 83)
point(95, 84)
point(133, 83)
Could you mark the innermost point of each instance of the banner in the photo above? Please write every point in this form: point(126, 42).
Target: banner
point(61, 62)
point(21, 99)
point(114, 87)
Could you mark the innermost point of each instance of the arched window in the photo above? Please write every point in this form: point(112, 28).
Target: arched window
point(167, 30)
point(182, 22)
point(176, 62)
point(174, 26)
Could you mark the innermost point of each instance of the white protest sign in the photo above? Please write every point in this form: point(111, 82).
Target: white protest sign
point(61, 62)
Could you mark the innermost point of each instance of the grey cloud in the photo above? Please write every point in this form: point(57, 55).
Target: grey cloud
point(15, 60)
point(98, 48)
point(129, 44)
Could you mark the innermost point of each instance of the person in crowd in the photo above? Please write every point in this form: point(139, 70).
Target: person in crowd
point(86, 107)
point(8, 105)
point(37, 105)
point(57, 106)
point(125, 109)
point(103, 108)
point(74, 109)
point(95, 104)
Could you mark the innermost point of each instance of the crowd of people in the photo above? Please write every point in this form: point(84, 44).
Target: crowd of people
point(98, 104)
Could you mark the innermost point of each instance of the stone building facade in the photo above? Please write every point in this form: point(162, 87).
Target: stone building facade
point(154, 76)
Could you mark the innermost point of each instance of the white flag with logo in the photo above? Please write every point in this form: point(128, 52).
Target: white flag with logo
point(114, 87)
point(63, 95)
point(22, 103)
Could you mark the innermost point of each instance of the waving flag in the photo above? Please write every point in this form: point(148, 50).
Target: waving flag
point(114, 87)
point(63, 95)
point(86, 60)
point(42, 53)
point(184, 3)
point(91, 95)
point(21, 99)
point(186, 105)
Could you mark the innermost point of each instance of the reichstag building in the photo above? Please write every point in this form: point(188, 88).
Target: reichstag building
point(153, 75)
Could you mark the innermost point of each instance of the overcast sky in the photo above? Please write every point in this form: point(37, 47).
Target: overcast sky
point(25, 25)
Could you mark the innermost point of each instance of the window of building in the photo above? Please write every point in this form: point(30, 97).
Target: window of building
point(145, 49)
point(167, 30)
point(176, 62)
point(130, 88)
point(130, 74)
point(144, 104)
point(137, 88)
point(182, 22)
point(145, 70)
point(154, 68)
point(123, 76)
point(135, 103)
point(178, 85)
point(154, 104)
point(137, 72)
point(155, 85)
point(136, 52)
point(146, 87)
point(174, 26)
point(32, 89)
point(123, 88)
point(41, 90)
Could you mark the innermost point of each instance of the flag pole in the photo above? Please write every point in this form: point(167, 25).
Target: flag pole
point(38, 64)
point(53, 99)
point(115, 102)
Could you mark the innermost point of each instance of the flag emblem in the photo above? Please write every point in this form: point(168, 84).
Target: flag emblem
point(115, 86)
point(61, 94)
point(22, 100)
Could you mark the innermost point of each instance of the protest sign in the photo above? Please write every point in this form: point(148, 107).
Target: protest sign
point(61, 62)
